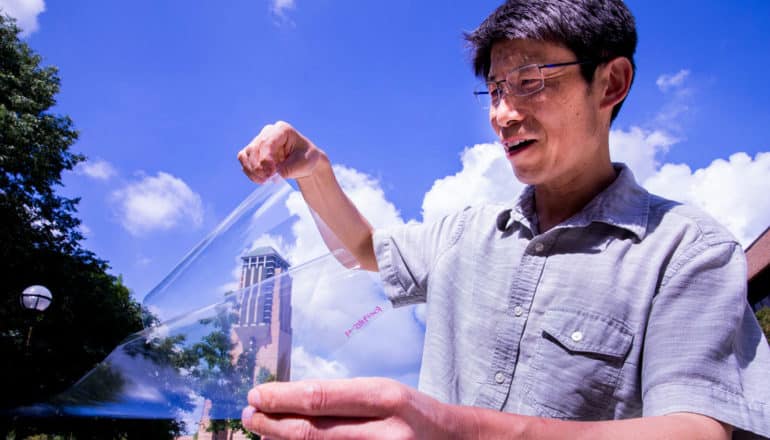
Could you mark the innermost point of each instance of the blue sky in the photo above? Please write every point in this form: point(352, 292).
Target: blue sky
point(166, 93)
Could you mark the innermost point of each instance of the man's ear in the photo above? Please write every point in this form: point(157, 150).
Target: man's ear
point(617, 75)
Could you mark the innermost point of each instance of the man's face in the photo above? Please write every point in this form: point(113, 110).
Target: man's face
point(560, 125)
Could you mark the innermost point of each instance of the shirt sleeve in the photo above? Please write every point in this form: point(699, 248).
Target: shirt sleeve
point(704, 351)
point(406, 255)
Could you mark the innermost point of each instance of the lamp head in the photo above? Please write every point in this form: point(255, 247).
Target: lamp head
point(36, 298)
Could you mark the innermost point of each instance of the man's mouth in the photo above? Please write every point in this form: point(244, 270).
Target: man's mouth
point(515, 146)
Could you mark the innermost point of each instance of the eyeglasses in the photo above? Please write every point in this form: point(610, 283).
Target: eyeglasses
point(521, 81)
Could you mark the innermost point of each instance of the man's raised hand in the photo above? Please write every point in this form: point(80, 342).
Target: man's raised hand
point(279, 148)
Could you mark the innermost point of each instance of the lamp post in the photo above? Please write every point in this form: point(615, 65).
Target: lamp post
point(37, 299)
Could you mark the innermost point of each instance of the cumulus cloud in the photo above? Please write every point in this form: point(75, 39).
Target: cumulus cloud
point(276, 242)
point(157, 203)
point(99, 169)
point(328, 299)
point(486, 176)
point(667, 82)
point(25, 12)
point(734, 191)
point(307, 366)
point(343, 316)
point(366, 194)
point(640, 149)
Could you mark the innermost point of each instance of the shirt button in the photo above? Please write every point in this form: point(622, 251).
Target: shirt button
point(499, 377)
point(577, 336)
point(518, 310)
point(539, 247)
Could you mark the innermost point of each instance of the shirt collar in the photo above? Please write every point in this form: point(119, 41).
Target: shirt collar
point(623, 204)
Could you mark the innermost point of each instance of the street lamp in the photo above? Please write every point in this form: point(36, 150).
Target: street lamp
point(35, 298)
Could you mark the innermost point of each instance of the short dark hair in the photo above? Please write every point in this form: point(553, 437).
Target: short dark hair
point(597, 30)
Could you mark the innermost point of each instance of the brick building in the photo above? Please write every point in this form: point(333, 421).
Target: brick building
point(758, 259)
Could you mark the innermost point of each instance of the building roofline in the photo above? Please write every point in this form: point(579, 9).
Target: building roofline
point(264, 251)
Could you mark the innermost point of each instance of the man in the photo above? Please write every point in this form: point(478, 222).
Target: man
point(588, 308)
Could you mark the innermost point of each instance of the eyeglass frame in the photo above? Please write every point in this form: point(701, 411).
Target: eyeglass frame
point(502, 93)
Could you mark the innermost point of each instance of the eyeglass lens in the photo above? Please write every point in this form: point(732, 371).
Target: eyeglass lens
point(523, 81)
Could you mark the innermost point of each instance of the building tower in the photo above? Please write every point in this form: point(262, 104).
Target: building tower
point(262, 330)
point(264, 316)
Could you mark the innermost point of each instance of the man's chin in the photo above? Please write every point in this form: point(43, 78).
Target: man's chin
point(525, 175)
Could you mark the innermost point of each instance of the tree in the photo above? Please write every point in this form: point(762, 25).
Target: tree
point(763, 316)
point(223, 382)
point(92, 310)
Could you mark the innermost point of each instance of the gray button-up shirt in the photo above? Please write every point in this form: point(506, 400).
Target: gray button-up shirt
point(636, 306)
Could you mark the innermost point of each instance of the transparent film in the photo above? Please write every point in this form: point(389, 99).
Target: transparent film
point(260, 299)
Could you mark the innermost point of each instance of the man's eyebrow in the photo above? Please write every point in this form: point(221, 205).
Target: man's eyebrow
point(524, 59)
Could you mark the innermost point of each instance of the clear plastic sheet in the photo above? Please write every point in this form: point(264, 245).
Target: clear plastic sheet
point(259, 299)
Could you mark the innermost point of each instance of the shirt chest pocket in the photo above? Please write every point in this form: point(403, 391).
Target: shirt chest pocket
point(577, 364)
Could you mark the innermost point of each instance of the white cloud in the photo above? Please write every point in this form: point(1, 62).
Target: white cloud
point(25, 12)
point(157, 203)
point(328, 299)
point(307, 366)
point(276, 242)
point(679, 101)
point(366, 194)
point(667, 82)
point(733, 191)
point(99, 169)
point(308, 243)
point(280, 8)
point(343, 315)
point(640, 149)
point(486, 176)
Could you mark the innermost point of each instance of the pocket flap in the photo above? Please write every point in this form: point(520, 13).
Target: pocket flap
point(586, 332)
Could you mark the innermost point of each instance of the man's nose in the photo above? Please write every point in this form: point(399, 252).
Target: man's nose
point(507, 112)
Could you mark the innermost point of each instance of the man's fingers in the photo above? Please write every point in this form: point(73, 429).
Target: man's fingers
point(261, 158)
point(286, 426)
point(362, 397)
point(255, 174)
